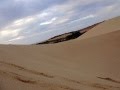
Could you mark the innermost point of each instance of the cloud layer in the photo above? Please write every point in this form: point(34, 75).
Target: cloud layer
point(31, 21)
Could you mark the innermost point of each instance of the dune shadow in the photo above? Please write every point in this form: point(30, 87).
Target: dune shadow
point(27, 70)
point(109, 79)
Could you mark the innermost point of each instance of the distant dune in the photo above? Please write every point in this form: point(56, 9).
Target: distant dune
point(68, 36)
point(90, 62)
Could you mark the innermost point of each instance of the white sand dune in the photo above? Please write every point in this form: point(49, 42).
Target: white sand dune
point(88, 64)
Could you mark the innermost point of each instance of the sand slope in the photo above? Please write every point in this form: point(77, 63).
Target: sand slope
point(103, 28)
point(88, 64)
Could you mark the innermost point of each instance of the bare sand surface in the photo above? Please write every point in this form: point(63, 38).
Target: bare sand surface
point(87, 64)
point(103, 28)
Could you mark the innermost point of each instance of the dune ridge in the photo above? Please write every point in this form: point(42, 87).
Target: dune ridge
point(103, 28)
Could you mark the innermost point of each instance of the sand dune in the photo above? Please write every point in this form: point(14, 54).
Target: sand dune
point(88, 64)
point(103, 28)
point(68, 36)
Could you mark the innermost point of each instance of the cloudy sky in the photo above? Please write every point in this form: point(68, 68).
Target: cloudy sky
point(31, 21)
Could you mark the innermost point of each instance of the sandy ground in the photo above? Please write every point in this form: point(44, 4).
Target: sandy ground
point(103, 28)
point(91, 63)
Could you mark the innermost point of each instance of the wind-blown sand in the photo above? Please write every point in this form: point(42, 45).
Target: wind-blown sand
point(88, 64)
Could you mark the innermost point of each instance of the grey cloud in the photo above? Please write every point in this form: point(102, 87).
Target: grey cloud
point(11, 10)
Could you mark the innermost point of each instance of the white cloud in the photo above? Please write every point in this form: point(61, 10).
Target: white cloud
point(108, 12)
point(49, 21)
point(9, 33)
point(83, 18)
point(71, 5)
point(43, 14)
point(61, 21)
point(24, 21)
point(18, 38)
point(87, 17)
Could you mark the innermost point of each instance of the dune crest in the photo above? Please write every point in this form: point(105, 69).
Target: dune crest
point(103, 28)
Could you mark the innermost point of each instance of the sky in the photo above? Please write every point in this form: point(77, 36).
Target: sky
point(33, 21)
